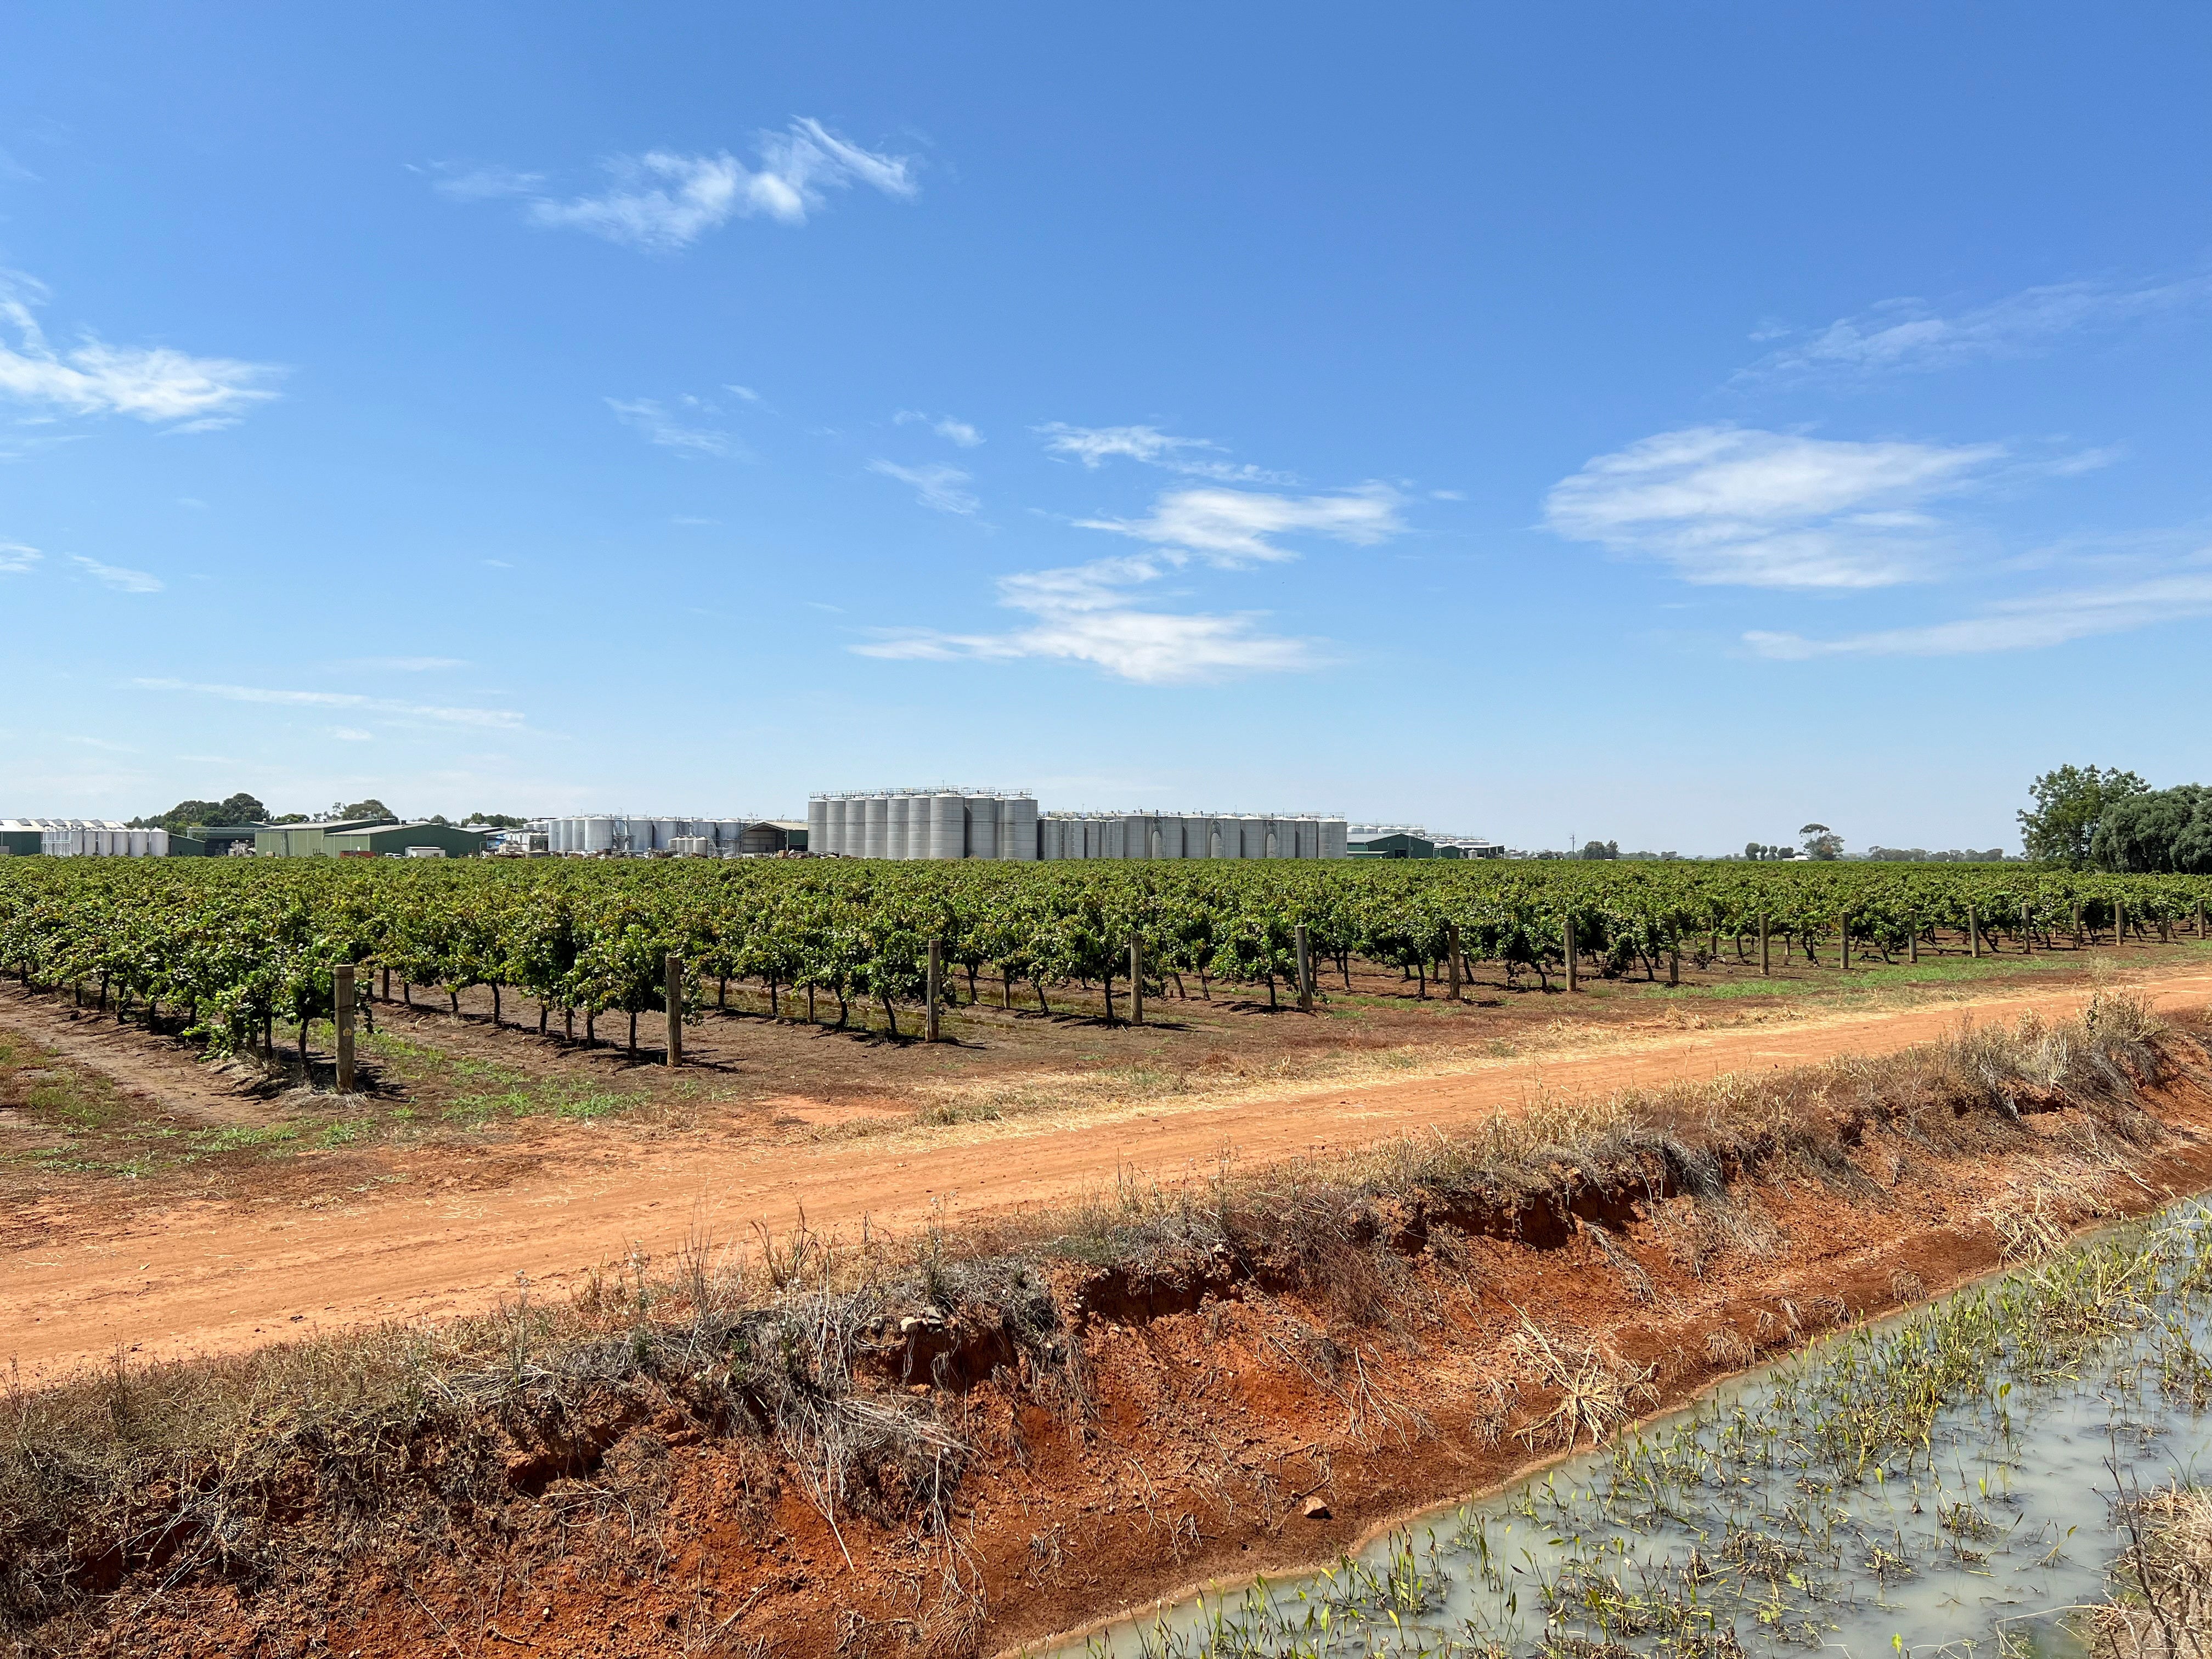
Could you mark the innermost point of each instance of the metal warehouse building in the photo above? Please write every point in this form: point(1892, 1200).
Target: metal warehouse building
point(306, 840)
point(389, 840)
point(967, 824)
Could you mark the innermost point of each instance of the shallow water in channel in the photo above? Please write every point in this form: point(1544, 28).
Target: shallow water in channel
point(1942, 1482)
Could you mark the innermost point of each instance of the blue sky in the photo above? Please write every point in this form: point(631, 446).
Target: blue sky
point(1668, 424)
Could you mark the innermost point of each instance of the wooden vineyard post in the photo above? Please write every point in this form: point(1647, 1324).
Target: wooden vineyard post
point(1567, 944)
point(1765, 958)
point(1913, 940)
point(1305, 973)
point(1459, 973)
point(387, 995)
point(2028, 929)
point(1136, 981)
point(935, 989)
point(341, 1018)
point(1847, 941)
point(1674, 958)
point(674, 997)
point(1973, 930)
point(2200, 918)
point(2119, 922)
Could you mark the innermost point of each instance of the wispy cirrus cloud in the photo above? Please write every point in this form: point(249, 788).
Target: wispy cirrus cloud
point(662, 201)
point(493, 719)
point(1094, 445)
point(153, 384)
point(935, 484)
point(402, 664)
point(944, 426)
point(680, 425)
point(1236, 526)
point(1087, 613)
point(1731, 505)
point(1911, 335)
point(2028, 623)
point(117, 577)
point(16, 559)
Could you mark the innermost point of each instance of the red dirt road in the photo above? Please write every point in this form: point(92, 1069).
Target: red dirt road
point(209, 1276)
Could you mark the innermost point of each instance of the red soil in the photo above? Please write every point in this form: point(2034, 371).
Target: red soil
point(81, 1278)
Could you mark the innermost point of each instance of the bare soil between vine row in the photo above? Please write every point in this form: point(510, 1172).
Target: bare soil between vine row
point(230, 1255)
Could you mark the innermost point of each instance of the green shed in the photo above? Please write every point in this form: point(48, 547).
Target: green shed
point(306, 840)
point(399, 840)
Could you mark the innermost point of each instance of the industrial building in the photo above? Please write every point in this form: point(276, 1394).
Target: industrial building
point(1410, 841)
point(306, 840)
point(972, 824)
point(81, 838)
point(385, 839)
point(617, 835)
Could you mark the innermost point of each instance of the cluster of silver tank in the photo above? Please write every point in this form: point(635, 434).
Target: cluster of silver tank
point(618, 834)
point(94, 838)
point(1189, 835)
point(923, 823)
point(960, 824)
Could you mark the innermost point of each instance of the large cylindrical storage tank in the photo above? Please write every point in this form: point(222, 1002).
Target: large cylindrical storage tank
point(817, 824)
point(157, 843)
point(664, 832)
point(982, 826)
point(875, 825)
point(135, 843)
point(1049, 838)
point(1335, 840)
point(1017, 830)
point(598, 834)
point(833, 818)
point(948, 826)
point(895, 817)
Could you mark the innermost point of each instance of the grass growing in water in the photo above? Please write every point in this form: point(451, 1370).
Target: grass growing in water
point(1893, 1483)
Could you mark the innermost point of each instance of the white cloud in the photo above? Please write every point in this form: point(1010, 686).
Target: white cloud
point(1766, 509)
point(115, 576)
point(1083, 614)
point(744, 391)
point(937, 485)
point(2019, 624)
point(1096, 445)
point(678, 429)
point(404, 664)
point(153, 384)
point(16, 559)
point(943, 425)
point(497, 719)
point(1232, 526)
point(664, 201)
point(352, 734)
point(1909, 334)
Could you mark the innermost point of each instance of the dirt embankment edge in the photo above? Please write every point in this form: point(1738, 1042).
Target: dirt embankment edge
point(1212, 1397)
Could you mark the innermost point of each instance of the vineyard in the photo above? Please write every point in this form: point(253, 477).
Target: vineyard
point(229, 950)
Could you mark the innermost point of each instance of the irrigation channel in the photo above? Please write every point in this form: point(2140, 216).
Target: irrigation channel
point(1943, 1482)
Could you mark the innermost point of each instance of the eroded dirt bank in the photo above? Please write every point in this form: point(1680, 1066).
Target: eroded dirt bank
point(1014, 1434)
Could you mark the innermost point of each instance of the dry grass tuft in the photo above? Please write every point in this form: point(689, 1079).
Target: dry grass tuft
point(2162, 1582)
